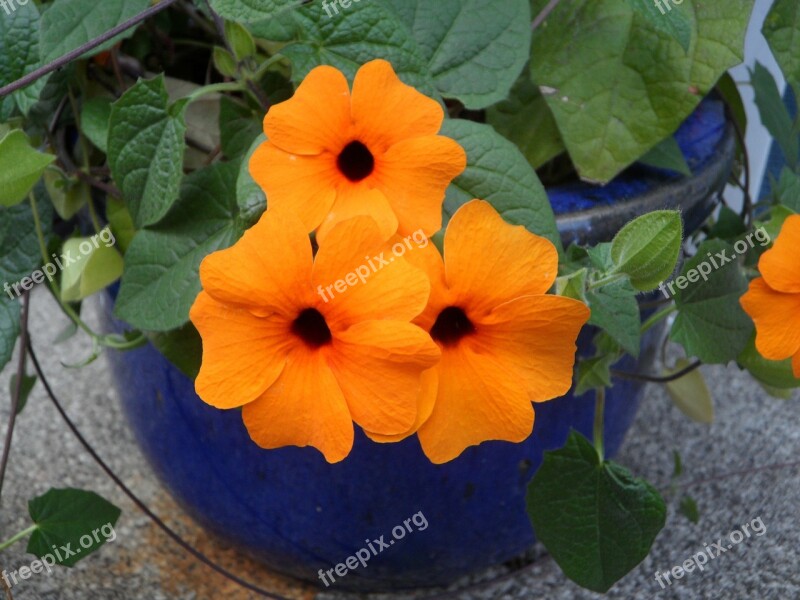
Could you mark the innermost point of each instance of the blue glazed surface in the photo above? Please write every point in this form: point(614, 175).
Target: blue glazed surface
point(698, 137)
point(299, 514)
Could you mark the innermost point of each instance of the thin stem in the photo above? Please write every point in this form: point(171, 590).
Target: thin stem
point(83, 49)
point(599, 421)
point(608, 280)
point(12, 419)
point(18, 537)
point(544, 14)
point(652, 379)
point(647, 325)
point(232, 86)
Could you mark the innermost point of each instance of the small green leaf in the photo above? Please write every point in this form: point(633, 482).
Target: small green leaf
point(688, 508)
point(95, 116)
point(729, 225)
point(21, 166)
point(616, 311)
point(667, 155)
point(224, 62)
point(97, 265)
point(161, 279)
point(595, 519)
point(690, 393)
point(711, 324)
point(782, 30)
point(727, 88)
point(68, 24)
point(9, 326)
point(248, 11)
point(774, 114)
point(775, 374)
point(677, 469)
point(594, 373)
point(68, 195)
point(182, 347)
point(28, 381)
point(573, 285)
point(240, 40)
point(525, 119)
point(647, 248)
point(121, 223)
point(498, 173)
point(145, 149)
point(71, 524)
point(670, 19)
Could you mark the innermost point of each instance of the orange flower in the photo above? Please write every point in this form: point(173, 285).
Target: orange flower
point(504, 341)
point(302, 365)
point(333, 154)
point(773, 300)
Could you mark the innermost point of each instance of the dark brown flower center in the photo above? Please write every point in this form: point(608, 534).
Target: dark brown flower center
point(310, 326)
point(451, 325)
point(356, 161)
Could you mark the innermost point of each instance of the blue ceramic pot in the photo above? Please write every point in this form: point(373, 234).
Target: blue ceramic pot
point(299, 514)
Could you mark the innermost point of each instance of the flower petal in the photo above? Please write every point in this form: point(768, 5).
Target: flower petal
point(315, 118)
point(378, 365)
point(386, 111)
point(431, 263)
point(306, 185)
point(479, 399)
point(268, 269)
point(777, 319)
point(414, 174)
point(536, 334)
point(242, 354)
point(359, 278)
point(780, 265)
point(489, 262)
point(359, 200)
point(429, 384)
point(305, 407)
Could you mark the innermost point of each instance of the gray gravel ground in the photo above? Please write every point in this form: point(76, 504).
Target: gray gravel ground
point(734, 466)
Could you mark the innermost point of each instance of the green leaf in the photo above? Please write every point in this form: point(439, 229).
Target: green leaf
point(248, 11)
point(727, 88)
point(95, 116)
point(573, 285)
point(525, 119)
point(9, 326)
point(776, 374)
point(67, 194)
point(161, 279)
point(617, 84)
point(182, 347)
point(145, 150)
point(782, 30)
point(594, 373)
point(774, 114)
point(21, 166)
point(672, 20)
point(688, 508)
point(677, 469)
point(711, 324)
point(19, 245)
point(667, 155)
point(250, 198)
point(615, 310)
point(788, 190)
point(474, 49)
point(240, 40)
point(97, 265)
point(595, 519)
point(364, 32)
point(778, 216)
point(68, 24)
point(224, 62)
point(74, 521)
point(647, 248)
point(19, 52)
point(28, 381)
point(729, 225)
point(238, 127)
point(690, 393)
point(498, 173)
